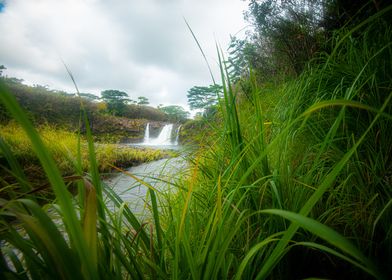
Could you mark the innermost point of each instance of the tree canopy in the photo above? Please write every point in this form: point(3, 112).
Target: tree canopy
point(89, 96)
point(175, 113)
point(288, 34)
point(141, 100)
point(201, 97)
point(115, 100)
point(2, 67)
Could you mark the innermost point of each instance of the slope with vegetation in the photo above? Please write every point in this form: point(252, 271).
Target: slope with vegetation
point(293, 180)
point(57, 116)
point(111, 119)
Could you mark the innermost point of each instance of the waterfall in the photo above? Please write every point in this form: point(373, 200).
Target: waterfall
point(178, 133)
point(164, 137)
point(147, 134)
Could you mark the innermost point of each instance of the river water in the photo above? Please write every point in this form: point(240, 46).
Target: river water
point(160, 175)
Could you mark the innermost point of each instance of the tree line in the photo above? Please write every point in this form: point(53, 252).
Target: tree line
point(285, 36)
point(60, 106)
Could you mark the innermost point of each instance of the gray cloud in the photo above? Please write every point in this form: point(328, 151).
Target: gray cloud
point(141, 47)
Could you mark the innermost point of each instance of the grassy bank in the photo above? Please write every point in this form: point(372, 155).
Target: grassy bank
point(64, 146)
point(299, 183)
point(61, 109)
point(296, 183)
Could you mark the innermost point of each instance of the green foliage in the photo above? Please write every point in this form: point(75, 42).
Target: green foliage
point(345, 13)
point(175, 113)
point(68, 238)
point(144, 112)
point(287, 36)
point(2, 68)
point(200, 131)
point(63, 145)
point(61, 109)
point(89, 96)
point(305, 148)
point(244, 55)
point(200, 97)
point(116, 101)
point(294, 182)
point(141, 100)
point(46, 106)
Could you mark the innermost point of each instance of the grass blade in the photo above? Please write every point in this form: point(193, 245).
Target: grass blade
point(328, 235)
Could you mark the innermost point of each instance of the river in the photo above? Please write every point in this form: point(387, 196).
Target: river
point(160, 175)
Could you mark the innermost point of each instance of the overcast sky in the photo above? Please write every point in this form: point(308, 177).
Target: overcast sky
point(141, 47)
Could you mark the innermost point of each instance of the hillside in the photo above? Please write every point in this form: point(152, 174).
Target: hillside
point(63, 110)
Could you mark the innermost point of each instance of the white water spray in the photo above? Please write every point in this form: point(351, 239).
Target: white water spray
point(178, 134)
point(164, 137)
point(147, 134)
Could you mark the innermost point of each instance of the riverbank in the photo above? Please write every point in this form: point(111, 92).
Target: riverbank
point(65, 148)
point(62, 109)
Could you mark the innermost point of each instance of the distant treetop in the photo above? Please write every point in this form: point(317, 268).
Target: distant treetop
point(201, 97)
point(2, 67)
point(115, 100)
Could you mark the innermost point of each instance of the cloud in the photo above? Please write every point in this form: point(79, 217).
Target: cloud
point(141, 47)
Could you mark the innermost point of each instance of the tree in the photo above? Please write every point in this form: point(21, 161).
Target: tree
point(89, 96)
point(2, 67)
point(236, 62)
point(115, 101)
point(287, 33)
point(142, 100)
point(243, 56)
point(339, 13)
point(175, 113)
point(200, 97)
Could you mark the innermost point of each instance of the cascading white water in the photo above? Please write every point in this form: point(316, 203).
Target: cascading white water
point(147, 134)
point(164, 137)
point(178, 134)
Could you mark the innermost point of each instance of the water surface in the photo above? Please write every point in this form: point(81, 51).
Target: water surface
point(158, 174)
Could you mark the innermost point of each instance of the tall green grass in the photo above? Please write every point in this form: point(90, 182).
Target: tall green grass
point(317, 151)
point(297, 185)
point(69, 238)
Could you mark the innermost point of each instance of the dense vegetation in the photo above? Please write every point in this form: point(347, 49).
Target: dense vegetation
point(63, 110)
point(293, 180)
point(63, 145)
